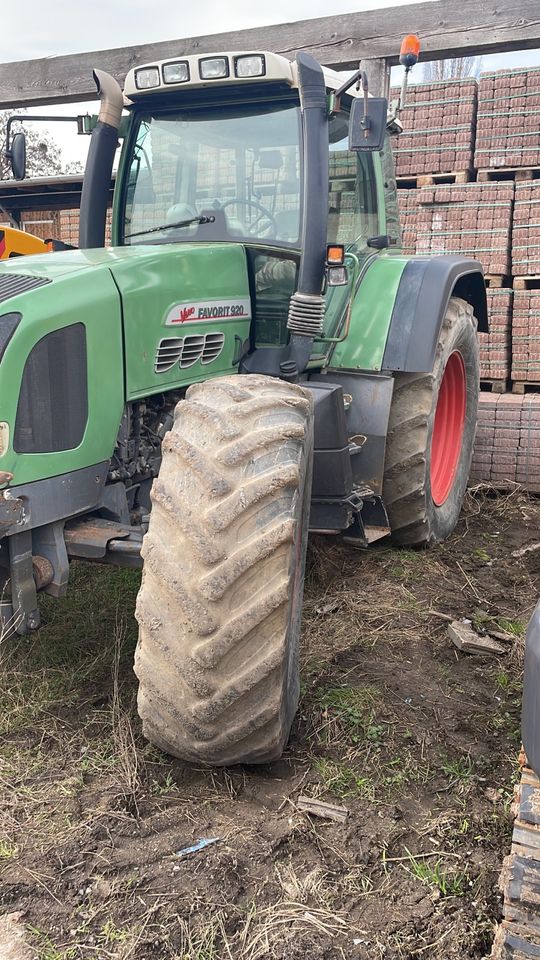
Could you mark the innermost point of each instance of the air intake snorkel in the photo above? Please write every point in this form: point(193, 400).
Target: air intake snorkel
point(306, 309)
point(98, 172)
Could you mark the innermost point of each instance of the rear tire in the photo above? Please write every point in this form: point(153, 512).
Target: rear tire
point(423, 507)
point(220, 603)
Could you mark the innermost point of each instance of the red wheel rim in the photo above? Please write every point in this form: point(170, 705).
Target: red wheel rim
point(448, 428)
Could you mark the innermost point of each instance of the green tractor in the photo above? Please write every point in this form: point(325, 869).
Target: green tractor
point(251, 360)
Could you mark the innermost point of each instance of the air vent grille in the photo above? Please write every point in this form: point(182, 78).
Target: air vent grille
point(192, 350)
point(213, 346)
point(188, 350)
point(12, 283)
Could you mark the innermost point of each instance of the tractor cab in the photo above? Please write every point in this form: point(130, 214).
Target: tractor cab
point(219, 151)
point(233, 173)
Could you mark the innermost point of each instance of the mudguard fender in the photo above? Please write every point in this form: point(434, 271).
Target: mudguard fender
point(530, 716)
point(423, 294)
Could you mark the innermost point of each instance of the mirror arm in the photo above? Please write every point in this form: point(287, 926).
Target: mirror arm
point(356, 77)
point(359, 75)
point(83, 121)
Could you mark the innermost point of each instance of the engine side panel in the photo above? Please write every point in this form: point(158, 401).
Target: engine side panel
point(187, 312)
point(37, 447)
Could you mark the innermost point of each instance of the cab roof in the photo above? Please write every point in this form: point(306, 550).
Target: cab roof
point(155, 77)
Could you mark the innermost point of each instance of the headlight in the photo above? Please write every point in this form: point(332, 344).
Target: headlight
point(176, 72)
point(214, 68)
point(147, 78)
point(249, 67)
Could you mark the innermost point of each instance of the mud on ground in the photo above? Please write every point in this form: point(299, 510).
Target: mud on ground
point(417, 741)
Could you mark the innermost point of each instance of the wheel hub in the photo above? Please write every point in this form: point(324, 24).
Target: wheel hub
point(447, 437)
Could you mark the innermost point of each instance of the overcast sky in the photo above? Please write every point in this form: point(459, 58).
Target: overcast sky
point(74, 26)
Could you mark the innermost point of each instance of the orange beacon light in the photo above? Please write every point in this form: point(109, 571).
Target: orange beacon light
point(410, 51)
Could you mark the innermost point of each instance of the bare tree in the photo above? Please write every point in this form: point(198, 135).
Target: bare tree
point(455, 69)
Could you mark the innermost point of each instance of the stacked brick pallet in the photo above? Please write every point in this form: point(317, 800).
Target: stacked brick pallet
point(474, 219)
point(439, 122)
point(526, 337)
point(508, 120)
point(496, 347)
point(526, 228)
point(486, 205)
point(507, 448)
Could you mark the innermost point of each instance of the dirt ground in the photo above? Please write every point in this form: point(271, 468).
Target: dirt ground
point(417, 741)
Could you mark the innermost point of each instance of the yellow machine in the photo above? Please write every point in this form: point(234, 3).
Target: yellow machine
point(17, 243)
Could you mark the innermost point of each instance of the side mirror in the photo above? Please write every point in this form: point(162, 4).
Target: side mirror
point(367, 124)
point(17, 156)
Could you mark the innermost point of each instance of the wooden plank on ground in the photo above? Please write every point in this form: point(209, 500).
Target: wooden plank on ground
point(339, 40)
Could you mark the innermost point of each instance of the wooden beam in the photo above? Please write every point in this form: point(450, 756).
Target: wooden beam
point(378, 74)
point(459, 28)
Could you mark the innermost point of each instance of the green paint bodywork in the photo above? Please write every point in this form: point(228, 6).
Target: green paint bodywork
point(120, 295)
point(371, 313)
point(167, 276)
point(81, 292)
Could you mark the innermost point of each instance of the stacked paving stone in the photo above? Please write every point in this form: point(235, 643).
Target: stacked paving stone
point(497, 221)
point(496, 346)
point(526, 228)
point(508, 120)
point(507, 448)
point(526, 336)
point(409, 214)
point(438, 121)
point(472, 219)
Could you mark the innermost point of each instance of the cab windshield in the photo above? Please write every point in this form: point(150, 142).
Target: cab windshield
point(221, 173)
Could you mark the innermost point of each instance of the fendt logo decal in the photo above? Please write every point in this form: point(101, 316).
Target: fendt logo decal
point(209, 310)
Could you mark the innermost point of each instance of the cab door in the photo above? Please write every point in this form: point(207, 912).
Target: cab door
point(355, 213)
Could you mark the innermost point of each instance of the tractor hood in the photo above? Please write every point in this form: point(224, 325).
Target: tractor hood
point(52, 266)
point(84, 332)
point(61, 264)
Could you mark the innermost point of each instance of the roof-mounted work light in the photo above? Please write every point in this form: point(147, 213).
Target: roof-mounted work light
point(214, 68)
point(177, 72)
point(147, 78)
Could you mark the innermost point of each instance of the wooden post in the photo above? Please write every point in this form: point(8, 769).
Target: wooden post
point(378, 74)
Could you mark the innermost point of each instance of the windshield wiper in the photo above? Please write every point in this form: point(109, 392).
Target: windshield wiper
point(170, 226)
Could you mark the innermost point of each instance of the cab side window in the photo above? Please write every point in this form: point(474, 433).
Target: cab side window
point(393, 228)
point(352, 217)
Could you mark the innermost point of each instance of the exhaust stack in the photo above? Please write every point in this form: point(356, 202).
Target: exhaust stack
point(97, 175)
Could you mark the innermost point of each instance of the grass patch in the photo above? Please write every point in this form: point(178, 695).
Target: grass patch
point(366, 755)
point(341, 780)
point(349, 713)
point(449, 883)
point(459, 770)
point(46, 949)
point(8, 850)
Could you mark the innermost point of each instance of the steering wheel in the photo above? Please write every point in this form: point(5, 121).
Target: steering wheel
point(253, 229)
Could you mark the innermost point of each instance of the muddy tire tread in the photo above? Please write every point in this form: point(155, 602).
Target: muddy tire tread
point(214, 603)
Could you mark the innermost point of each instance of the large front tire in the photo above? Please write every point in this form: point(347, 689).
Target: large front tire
point(431, 435)
point(220, 602)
